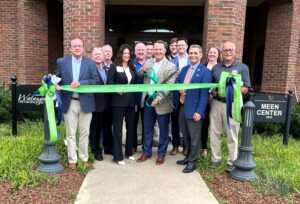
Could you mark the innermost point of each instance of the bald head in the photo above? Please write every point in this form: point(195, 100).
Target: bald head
point(228, 52)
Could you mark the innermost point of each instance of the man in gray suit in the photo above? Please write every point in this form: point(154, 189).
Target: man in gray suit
point(160, 108)
point(76, 70)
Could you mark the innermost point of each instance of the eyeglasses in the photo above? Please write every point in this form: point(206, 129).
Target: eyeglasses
point(228, 50)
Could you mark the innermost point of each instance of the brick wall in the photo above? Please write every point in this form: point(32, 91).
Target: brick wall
point(297, 74)
point(32, 41)
point(8, 39)
point(224, 20)
point(85, 19)
point(55, 33)
point(281, 50)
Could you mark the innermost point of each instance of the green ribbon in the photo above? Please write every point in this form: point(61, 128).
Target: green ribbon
point(237, 97)
point(115, 88)
point(48, 92)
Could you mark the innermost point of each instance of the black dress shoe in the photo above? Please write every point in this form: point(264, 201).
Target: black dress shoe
point(182, 162)
point(98, 157)
point(190, 167)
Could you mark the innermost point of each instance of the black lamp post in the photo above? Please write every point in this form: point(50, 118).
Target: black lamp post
point(244, 164)
point(49, 158)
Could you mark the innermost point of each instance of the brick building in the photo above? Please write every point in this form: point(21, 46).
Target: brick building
point(34, 33)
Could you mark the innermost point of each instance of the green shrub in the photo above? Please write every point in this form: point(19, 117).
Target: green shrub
point(268, 129)
point(5, 104)
point(295, 121)
point(19, 155)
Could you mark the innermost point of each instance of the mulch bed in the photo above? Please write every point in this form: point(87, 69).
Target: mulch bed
point(225, 189)
point(228, 190)
point(64, 191)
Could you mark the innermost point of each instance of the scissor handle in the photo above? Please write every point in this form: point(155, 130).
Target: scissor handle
point(153, 97)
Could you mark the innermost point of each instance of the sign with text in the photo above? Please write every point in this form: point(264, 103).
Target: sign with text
point(270, 108)
point(26, 100)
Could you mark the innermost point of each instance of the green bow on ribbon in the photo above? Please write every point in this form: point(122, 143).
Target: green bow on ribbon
point(48, 92)
point(237, 97)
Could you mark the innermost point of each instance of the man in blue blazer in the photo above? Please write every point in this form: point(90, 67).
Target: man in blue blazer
point(76, 70)
point(192, 110)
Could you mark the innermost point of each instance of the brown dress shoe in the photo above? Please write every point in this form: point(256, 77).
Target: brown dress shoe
point(143, 158)
point(88, 165)
point(160, 160)
point(174, 151)
point(72, 166)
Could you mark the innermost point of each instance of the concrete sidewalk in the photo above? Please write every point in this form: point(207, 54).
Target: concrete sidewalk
point(143, 183)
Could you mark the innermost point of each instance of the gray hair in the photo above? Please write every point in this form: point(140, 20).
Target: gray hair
point(97, 49)
point(228, 41)
point(196, 46)
point(140, 44)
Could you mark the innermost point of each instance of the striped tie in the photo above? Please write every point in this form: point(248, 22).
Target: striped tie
point(187, 80)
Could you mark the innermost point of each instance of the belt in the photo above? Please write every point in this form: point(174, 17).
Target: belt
point(77, 99)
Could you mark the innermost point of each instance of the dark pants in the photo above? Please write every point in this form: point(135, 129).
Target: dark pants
point(205, 125)
point(96, 126)
point(191, 131)
point(118, 115)
point(107, 132)
point(150, 117)
point(139, 113)
point(175, 127)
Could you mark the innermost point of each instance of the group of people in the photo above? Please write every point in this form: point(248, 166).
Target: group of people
point(99, 117)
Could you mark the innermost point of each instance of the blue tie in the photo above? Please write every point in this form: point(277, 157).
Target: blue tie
point(103, 75)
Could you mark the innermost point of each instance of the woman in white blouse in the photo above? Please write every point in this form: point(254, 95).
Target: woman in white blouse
point(213, 57)
point(123, 104)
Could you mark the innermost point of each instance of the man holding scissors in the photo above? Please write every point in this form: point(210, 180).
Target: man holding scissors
point(157, 70)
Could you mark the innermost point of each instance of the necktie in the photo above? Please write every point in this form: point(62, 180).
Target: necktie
point(187, 80)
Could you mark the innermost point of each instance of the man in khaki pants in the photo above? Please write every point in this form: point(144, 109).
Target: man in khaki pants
point(218, 107)
point(76, 70)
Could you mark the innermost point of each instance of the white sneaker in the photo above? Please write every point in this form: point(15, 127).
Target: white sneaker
point(121, 163)
point(131, 158)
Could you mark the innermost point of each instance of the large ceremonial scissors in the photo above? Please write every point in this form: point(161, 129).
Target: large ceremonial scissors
point(153, 77)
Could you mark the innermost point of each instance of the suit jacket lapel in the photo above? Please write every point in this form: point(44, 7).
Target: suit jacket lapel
point(196, 72)
point(69, 67)
point(160, 72)
point(124, 76)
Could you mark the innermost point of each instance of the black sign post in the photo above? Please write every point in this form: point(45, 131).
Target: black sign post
point(274, 108)
point(14, 105)
point(288, 118)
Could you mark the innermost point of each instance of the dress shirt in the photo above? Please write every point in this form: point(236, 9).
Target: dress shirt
point(76, 64)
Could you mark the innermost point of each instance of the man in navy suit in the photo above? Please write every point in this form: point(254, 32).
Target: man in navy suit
point(76, 70)
point(192, 110)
